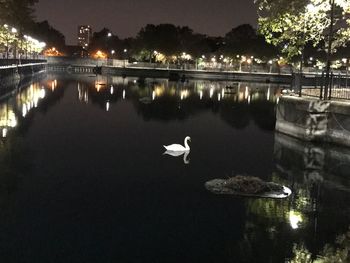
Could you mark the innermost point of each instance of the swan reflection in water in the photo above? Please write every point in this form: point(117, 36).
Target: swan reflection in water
point(177, 154)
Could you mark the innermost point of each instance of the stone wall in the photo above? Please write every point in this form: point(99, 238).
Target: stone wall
point(314, 120)
point(13, 74)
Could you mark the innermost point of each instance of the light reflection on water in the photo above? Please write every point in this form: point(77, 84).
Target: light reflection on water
point(153, 90)
point(22, 102)
point(211, 227)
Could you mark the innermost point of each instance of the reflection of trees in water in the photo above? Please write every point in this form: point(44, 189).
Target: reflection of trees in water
point(165, 101)
point(14, 158)
point(263, 113)
point(104, 95)
point(306, 226)
point(52, 97)
point(338, 251)
point(167, 108)
point(169, 101)
point(319, 192)
point(239, 115)
point(235, 114)
point(14, 164)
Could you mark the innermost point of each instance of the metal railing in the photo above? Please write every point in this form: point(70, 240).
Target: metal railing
point(314, 85)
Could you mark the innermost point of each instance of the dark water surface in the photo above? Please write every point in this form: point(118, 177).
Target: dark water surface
point(83, 177)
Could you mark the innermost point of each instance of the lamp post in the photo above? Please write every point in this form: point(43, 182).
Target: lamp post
point(242, 60)
point(270, 63)
point(125, 56)
point(26, 42)
point(14, 50)
point(7, 41)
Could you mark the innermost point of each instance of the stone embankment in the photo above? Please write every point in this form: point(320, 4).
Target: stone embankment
point(314, 120)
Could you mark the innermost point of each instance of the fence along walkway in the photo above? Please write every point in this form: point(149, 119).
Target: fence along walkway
point(339, 86)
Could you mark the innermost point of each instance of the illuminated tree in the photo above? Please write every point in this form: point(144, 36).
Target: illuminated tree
point(293, 25)
point(7, 37)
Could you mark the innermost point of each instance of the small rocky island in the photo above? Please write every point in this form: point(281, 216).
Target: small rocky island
point(247, 186)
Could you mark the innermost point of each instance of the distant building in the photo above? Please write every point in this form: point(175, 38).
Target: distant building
point(84, 36)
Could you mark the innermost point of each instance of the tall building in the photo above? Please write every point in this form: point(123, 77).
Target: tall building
point(84, 36)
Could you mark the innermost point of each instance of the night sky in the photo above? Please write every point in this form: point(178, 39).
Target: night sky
point(126, 17)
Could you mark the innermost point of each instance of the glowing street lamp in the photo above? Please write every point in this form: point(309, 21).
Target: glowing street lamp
point(270, 63)
point(14, 31)
point(125, 56)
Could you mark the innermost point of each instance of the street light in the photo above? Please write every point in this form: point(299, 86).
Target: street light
point(14, 51)
point(125, 56)
point(270, 63)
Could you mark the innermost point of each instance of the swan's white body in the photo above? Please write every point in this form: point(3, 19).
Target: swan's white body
point(179, 147)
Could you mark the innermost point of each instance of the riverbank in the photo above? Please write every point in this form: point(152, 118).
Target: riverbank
point(149, 70)
point(11, 75)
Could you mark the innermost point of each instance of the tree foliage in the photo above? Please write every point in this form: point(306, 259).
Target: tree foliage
point(244, 40)
point(105, 41)
point(51, 36)
point(171, 40)
point(292, 24)
point(19, 13)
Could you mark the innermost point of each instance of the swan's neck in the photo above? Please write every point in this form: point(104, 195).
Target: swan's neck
point(186, 145)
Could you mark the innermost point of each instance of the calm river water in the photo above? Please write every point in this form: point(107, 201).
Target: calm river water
point(83, 177)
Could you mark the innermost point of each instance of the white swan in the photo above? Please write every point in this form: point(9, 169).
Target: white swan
point(179, 147)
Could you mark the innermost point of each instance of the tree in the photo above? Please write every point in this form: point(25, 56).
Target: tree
point(105, 41)
point(19, 13)
point(244, 40)
point(293, 25)
point(162, 38)
point(290, 26)
point(51, 36)
point(7, 38)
